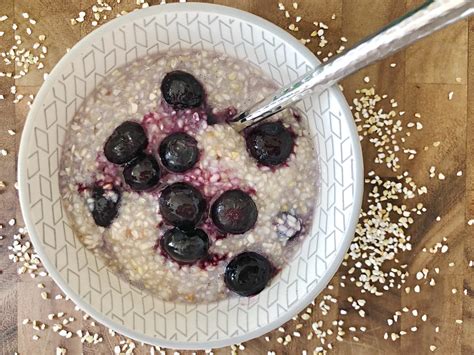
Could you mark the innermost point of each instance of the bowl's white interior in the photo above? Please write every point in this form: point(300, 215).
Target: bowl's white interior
point(109, 298)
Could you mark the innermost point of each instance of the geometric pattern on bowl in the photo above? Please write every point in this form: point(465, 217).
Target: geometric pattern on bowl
point(84, 277)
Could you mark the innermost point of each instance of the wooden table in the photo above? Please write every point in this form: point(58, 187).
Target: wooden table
point(420, 82)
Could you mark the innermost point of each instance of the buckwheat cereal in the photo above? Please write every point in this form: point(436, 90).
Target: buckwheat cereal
point(133, 233)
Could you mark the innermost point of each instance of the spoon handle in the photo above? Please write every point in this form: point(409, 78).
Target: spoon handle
point(430, 17)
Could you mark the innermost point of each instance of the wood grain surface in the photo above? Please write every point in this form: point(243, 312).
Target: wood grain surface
point(420, 82)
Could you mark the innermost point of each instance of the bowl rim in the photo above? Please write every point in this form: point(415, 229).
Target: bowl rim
point(23, 180)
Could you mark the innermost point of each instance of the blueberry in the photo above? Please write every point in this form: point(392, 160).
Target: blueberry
point(185, 246)
point(179, 152)
point(248, 273)
point(143, 173)
point(182, 205)
point(125, 143)
point(104, 205)
point(182, 90)
point(270, 143)
point(234, 212)
point(288, 225)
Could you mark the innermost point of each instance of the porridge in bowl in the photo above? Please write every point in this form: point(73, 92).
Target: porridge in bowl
point(157, 183)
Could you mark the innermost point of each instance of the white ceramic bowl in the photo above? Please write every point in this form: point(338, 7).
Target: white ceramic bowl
point(110, 299)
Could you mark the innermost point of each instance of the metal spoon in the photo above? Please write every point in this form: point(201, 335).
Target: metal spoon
point(430, 17)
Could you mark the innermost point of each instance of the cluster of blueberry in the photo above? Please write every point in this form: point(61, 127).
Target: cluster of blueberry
point(181, 204)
